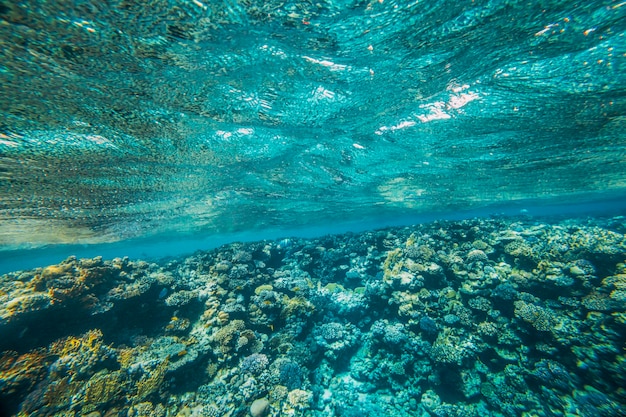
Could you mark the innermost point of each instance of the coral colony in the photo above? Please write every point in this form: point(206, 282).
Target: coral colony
point(468, 318)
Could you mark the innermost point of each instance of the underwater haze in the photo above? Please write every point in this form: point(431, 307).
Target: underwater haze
point(125, 119)
point(247, 208)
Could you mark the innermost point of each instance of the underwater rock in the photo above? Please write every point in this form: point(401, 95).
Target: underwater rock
point(259, 407)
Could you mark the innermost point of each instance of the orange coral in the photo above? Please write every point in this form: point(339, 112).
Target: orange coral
point(22, 372)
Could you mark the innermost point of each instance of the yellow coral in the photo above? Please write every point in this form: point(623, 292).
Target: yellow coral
point(91, 341)
point(19, 371)
point(299, 399)
point(266, 287)
point(540, 318)
point(103, 387)
point(147, 386)
point(393, 264)
point(53, 271)
point(125, 357)
point(222, 317)
point(296, 306)
point(333, 287)
point(59, 393)
point(225, 337)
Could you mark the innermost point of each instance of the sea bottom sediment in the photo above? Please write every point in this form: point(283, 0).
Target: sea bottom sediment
point(497, 317)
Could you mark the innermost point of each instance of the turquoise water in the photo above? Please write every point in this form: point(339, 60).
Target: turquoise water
point(127, 119)
point(316, 208)
point(173, 244)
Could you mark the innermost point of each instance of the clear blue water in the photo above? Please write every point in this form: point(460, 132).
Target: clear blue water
point(125, 120)
point(162, 246)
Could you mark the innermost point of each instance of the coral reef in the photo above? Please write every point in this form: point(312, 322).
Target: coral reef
point(476, 317)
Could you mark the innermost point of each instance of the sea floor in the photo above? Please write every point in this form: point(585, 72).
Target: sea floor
point(484, 317)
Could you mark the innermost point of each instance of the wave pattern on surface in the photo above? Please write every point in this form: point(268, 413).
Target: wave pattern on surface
point(122, 118)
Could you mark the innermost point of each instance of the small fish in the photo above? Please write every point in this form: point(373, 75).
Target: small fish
point(23, 332)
